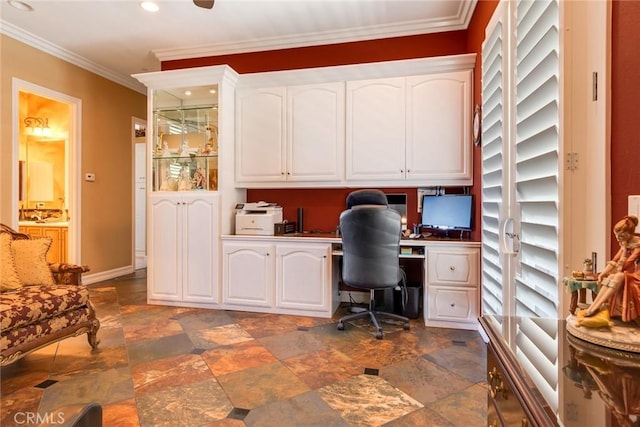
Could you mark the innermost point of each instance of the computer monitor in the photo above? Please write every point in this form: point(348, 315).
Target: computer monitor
point(449, 212)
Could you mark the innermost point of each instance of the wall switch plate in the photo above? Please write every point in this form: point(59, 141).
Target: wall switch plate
point(634, 208)
point(90, 177)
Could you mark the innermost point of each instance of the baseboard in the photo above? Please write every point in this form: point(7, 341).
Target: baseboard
point(89, 279)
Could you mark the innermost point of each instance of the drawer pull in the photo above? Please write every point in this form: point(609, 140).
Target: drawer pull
point(452, 267)
point(496, 385)
point(525, 422)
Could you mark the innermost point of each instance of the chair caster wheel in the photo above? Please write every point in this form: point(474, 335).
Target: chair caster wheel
point(340, 326)
point(406, 326)
point(379, 335)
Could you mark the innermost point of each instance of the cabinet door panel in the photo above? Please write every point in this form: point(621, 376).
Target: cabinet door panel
point(248, 274)
point(438, 132)
point(165, 243)
point(302, 276)
point(316, 132)
point(261, 135)
point(200, 254)
point(375, 129)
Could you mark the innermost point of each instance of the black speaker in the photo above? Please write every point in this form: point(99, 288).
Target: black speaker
point(300, 220)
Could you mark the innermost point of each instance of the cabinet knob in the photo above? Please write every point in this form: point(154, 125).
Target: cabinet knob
point(452, 268)
point(281, 173)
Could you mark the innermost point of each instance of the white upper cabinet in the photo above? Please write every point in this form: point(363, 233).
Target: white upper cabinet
point(438, 127)
point(315, 118)
point(411, 129)
point(261, 125)
point(291, 133)
point(383, 124)
point(376, 129)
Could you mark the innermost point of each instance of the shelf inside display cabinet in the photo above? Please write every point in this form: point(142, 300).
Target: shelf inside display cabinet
point(192, 173)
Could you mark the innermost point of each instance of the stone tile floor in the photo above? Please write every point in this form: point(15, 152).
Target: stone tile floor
point(172, 366)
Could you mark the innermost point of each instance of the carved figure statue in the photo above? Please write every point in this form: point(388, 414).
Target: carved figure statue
point(620, 279)
point(165, 149)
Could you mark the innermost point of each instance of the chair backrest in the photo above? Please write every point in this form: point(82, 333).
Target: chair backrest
point(370, 246)
point(366, 197)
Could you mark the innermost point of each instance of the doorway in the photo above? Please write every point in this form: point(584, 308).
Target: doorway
point(46, 167)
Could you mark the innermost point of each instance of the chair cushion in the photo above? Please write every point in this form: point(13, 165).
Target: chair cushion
point(30, 259)
point(44, 328)
point(10, 279)
point(32, 304)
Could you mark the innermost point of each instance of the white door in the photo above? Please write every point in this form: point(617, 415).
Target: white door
point(375, 129)
point(200, 248)
point(438, 133)
point(303, 276)
point(165, 247)
point(248, 274)
point(261, 138)
point(315, 117)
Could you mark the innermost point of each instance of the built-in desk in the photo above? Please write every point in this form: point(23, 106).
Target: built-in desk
point(300, 274)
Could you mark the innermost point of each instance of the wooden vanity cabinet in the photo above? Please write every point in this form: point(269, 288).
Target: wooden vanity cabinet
point(58, 249)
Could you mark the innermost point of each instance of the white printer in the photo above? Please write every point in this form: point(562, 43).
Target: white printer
point(257, 218)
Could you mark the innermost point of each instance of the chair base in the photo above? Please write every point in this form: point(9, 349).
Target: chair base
point(375, 317)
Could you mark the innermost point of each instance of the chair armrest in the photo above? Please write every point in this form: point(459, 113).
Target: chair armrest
point(67, 274)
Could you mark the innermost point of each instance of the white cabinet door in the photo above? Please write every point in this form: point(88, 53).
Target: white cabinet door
point(260, 143)
point(165, 248)
point(315, 146)
point(438, 127)
point(248, 274)
point(183, 247)
point(375, 143)
point(303, 276)
point(200, 248)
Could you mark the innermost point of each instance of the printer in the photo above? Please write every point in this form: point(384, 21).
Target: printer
point(257, 218)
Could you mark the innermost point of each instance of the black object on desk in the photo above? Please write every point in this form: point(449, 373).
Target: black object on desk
point(300, 220)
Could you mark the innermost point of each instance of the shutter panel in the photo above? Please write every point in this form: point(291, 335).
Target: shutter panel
point(493, 162)
point(537, 157)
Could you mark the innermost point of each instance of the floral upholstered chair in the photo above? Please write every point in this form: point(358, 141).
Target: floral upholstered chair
point(40, 303)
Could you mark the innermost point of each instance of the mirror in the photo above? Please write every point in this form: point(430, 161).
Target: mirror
point(42, 154)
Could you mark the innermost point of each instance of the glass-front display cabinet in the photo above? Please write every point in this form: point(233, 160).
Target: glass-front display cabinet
point(185, 150)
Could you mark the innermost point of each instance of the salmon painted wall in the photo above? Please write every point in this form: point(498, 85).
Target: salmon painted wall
point(625, 115)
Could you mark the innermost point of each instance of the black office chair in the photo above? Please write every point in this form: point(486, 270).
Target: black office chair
point(370, 246)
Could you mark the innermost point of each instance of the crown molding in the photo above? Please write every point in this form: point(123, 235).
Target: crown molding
point(454, 23)
point(45, 46)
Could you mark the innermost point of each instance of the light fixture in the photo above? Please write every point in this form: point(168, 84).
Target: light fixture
point(37, 126)
point(149, 6)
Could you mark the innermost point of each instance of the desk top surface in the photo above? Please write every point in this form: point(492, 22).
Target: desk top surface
point(333, 238)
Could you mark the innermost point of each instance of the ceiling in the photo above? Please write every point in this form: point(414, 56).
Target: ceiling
point(117, 38)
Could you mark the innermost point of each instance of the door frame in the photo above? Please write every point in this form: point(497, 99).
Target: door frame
point(72, 159)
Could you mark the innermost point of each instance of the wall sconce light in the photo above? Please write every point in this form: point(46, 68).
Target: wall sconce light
point(37, 126)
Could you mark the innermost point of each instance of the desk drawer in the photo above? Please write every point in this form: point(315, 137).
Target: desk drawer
point(452, 304)
point(453, 267)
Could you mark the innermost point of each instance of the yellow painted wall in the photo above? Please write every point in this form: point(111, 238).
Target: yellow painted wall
point(106, 148)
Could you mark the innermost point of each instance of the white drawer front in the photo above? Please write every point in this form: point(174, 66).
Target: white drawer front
point(454, 304)
point(458, 268)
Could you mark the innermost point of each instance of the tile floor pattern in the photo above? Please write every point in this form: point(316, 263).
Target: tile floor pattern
point(171, 366)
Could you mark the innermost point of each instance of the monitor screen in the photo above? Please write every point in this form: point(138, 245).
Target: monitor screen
point(447, 212)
